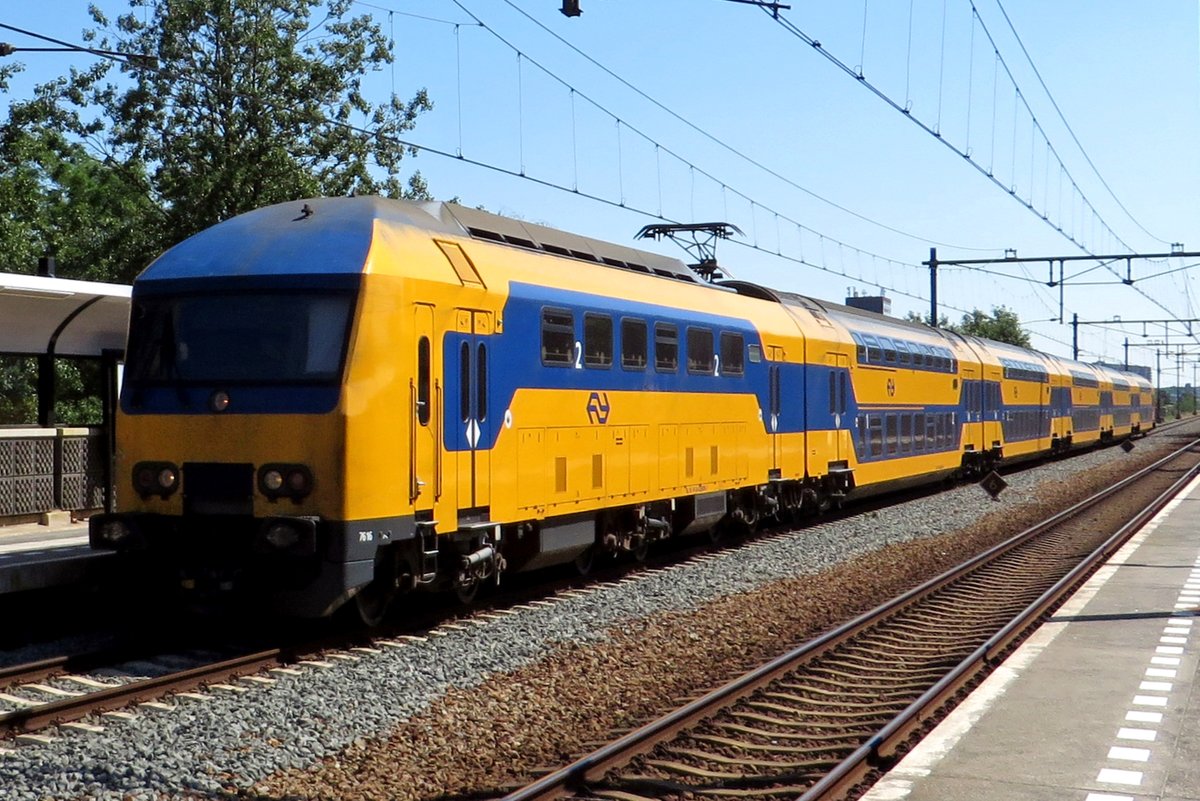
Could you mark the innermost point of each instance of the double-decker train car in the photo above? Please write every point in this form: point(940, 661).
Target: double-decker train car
point(338, 400)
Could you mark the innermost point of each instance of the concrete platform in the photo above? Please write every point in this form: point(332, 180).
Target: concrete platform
point(34, 557)
point(1100, 704)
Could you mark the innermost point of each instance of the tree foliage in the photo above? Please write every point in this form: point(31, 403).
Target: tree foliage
point(247, 103)
point(1002, 325)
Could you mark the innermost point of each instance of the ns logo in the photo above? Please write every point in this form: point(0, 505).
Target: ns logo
point(598, 408)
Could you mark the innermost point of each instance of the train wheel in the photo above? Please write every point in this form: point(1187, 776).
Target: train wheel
point(465, 594)
point(585, 561)
point(641, 551)
point(372, 603)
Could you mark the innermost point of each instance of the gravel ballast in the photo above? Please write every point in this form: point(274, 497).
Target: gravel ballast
point(481, 704)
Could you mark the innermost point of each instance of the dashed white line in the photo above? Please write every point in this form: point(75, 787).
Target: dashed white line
point(1168, 649)
point(1144, 735)
point(1115, 776)
point(1137, 716)
point(1164, 660)
point(1156, 686)
point(1173, 640)
point(1107, 797)
point(1161, 673)
point(1149, 700)
point(1129, 754)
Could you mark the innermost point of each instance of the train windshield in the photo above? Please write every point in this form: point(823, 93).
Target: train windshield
point(256, 337)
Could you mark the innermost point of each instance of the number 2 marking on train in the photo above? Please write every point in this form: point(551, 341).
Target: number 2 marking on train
point(578, 355)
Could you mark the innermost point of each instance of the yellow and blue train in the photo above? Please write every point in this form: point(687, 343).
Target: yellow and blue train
point(337, 400)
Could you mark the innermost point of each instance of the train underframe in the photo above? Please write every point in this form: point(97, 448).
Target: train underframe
point(309, 568)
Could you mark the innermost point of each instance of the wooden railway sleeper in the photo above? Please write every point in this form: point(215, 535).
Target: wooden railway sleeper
point(751, 731)
point(809, 714)
point(963, 628)
point(792, 723)
point(742, 745)
point(875, 692)
point(669, 787)
point(891, 665)
point(822, 670)
point(893, 670)
point(820, 703)
point(931, 643)
point(721, 759)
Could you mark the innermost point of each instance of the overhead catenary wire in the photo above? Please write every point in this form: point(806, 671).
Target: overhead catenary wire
point(1071, 234)
point(1062, 117)
point(720, 142)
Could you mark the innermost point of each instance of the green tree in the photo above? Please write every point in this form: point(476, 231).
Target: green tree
point(924, 319)
point(1002, 325)
point(247, 103)
point(244, 103)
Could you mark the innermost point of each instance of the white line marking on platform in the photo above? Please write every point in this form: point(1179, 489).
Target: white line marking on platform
point(1129, 754)
point(1114, 776)
point(1161, 673)
point(1145, 735)
point(1176, 630)
point(1168, 640)
point(1149, 700)
point(1107, 797)
point(1168, 649)
point(1179, 621)
point(1137, 716)
point(1164, 660)
point(1156, 686)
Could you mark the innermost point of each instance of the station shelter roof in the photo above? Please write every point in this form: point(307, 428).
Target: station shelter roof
point(59, 316)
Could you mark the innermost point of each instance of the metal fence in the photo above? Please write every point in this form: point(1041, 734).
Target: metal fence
point(48, 469)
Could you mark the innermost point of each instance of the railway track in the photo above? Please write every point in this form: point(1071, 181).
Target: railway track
point(68, 688)
point(816, 722)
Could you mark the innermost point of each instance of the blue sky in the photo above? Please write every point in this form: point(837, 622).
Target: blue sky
point(1126, 76)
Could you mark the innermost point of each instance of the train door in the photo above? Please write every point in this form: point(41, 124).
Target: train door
point(425, 389)
point(775, 407)
point(839, 404)
point(474, 417)
point(971, 395)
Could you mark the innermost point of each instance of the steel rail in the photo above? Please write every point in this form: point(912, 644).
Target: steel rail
point(641, 740)
point(880, 750)
point(68, 709)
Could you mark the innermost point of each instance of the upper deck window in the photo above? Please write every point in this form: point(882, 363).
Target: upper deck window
point(700, 351)
point(633, 344)
point(597, 340)
point(558, 337)
point(733, 361)
point(666, 348)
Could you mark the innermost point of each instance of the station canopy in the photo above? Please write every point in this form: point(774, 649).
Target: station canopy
point(58, 316)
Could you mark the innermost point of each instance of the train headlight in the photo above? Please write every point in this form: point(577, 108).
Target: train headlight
point(113, 532)
point(272, 480)
point(281, 535)
point(167, 479)
point(155, 478)
point(293, 481)
point(294, 536)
